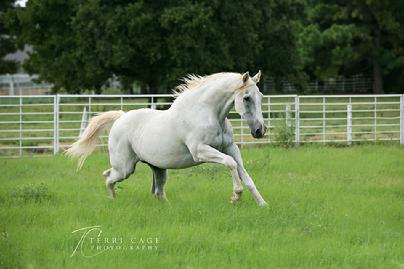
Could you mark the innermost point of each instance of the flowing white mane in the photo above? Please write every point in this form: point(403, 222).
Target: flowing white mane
point(191, 82)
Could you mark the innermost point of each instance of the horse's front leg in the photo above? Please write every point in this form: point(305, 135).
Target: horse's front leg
point(206, 153)
point(234, 152)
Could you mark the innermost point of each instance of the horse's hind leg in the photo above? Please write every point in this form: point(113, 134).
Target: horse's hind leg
point(153, 188)
point(159, 180)
point(112, 176)
point(123, 161)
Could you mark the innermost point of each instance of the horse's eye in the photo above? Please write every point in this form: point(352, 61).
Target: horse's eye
point(246, 98)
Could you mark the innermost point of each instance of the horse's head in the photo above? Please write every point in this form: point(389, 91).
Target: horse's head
point(248, 104)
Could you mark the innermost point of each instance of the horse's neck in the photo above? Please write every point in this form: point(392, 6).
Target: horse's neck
point(218, 101)
point(221, 104)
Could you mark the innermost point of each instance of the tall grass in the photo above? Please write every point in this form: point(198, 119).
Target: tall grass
point(328, 208)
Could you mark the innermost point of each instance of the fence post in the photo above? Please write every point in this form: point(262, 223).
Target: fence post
point(269, 119)
point(241, 132)
point(375, 120)
point(402, 119)
point(324, 130)
point(83, 121)
point(11, 82)
point(20, 137)
point(55, 124)
point(349, 124)
point(297, 119)
point(288, 115)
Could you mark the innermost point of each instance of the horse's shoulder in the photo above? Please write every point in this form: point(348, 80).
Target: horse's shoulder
point(227, 127)
point(227, 133)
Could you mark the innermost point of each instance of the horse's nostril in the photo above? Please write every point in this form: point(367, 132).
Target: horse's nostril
point(258, 132)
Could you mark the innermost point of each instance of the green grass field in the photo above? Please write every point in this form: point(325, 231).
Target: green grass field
point(328, 208)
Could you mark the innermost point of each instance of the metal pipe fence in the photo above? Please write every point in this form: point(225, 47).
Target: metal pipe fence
point(46, 124)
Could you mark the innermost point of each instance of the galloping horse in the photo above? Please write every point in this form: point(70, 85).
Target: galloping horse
point(192, 131)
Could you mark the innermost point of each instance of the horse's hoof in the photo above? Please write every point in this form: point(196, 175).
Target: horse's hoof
point(161, 198)
point(234, 200)
point(263, 204)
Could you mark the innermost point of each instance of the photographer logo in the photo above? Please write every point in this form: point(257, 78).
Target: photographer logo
point(92, 242)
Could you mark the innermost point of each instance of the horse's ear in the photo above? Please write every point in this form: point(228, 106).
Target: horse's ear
point(257, 77)
point(246, 76)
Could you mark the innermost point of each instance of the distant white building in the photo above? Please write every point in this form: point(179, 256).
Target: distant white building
point(19, 56)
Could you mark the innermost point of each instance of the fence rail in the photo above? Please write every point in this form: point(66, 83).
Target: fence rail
point(43, 124)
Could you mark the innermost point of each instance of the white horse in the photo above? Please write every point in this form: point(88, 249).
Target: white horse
point(192, 131)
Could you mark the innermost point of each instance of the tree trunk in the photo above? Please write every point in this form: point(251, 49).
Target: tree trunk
point(377, 69)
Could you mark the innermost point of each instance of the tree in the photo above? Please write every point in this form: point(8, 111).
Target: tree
point(78, 44)
point(279, 56)
point(7, 41)
point(211, 36)
point(47, 26)
point(351, 37)
point(157, 43)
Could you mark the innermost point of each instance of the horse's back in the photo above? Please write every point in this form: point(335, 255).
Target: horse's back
point(128, 125)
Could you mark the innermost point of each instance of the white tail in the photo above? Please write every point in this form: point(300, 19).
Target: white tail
point(88, 141)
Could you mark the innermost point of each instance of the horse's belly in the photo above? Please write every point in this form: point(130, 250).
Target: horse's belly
point(167, 156)
point(158, 143)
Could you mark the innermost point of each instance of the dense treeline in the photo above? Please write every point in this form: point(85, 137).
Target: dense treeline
point(80, 44)
point(7, 41)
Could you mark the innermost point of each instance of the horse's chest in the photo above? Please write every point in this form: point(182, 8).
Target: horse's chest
point(216, 141)
point(220, 140)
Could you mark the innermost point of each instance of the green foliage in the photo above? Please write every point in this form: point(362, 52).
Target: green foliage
point(7, 41)
point(354, 37)
point(80, 44)
point(285, 135)
point(57, 56)
point(281, 24)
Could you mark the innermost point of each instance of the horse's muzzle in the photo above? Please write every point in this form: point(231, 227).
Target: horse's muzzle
point(259, 132)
